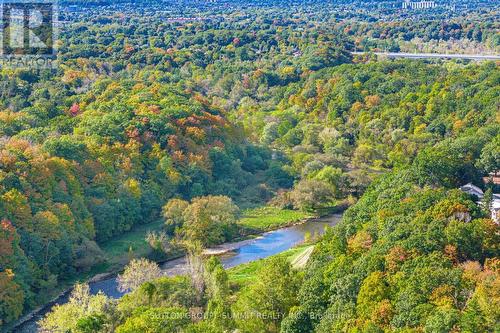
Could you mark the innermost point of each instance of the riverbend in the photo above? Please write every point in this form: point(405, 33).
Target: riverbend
point(232, 254)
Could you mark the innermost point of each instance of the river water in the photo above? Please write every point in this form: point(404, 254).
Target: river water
point(266, 245)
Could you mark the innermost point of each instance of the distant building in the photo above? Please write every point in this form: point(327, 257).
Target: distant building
point(473, 190)
point(477, 192)
point(495, 211)
point(419, 4)
point(493, 177)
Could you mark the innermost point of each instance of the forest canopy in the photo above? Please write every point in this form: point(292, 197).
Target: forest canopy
point(191, 116)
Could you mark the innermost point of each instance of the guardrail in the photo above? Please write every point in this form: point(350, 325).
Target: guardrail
point(432, 55)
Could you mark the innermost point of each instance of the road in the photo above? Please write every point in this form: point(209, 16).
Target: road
point(433, 55)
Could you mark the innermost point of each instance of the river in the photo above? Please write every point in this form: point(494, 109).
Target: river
point(266, 245)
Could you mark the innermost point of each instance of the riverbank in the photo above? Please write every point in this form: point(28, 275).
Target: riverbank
point(269, 218)
point(245, 274)
point(254, 223)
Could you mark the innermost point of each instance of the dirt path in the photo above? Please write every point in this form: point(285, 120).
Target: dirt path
point(303, 258)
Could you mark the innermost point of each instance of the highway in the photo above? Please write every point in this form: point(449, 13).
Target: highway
point(433, 55)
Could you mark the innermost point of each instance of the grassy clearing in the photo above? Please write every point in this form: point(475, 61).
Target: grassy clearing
point(247, 273)
point(267, 218)
point(117, 250)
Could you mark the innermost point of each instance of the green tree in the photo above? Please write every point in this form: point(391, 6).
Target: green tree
point(218, 293)
point(210, 220)
point(263, 306)
point(373, 290)
point(81, 306)
point(90, 324)
point(136, 273)
point(490, 156)
point(11, 298)
point(157, 320)
point(312, 194)
point(172, 212)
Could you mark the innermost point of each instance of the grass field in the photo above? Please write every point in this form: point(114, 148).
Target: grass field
point(247, 273)
point(119, 249)
point(267, 218)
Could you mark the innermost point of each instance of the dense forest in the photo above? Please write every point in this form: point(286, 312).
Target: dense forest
point(206, 109)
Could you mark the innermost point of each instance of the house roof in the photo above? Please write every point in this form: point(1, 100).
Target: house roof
point(494, 178)
point(472, 189)
point(495, 204)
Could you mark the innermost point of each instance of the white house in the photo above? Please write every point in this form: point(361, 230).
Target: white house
point(495, 211)
point(495, 204)
point(418, 4)
point(473, 190)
